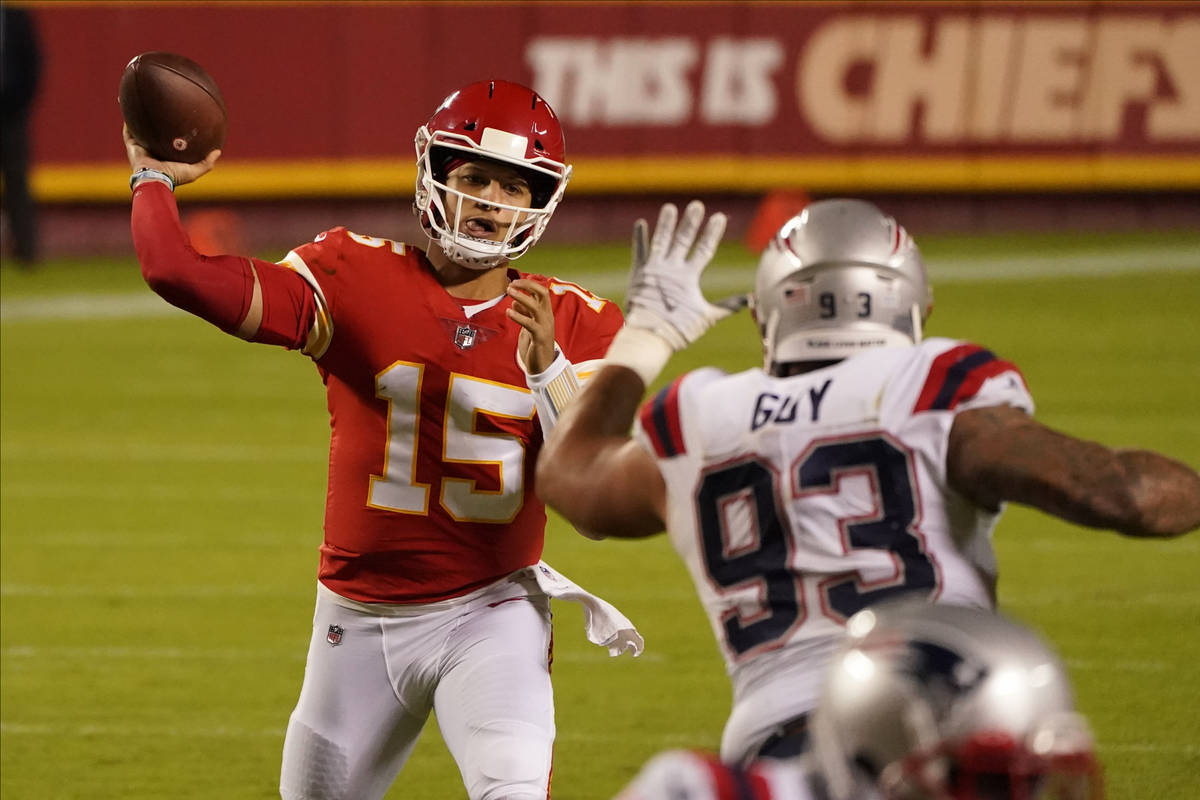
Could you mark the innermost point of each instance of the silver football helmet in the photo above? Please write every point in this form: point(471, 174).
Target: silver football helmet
point(840, 277)
point(939, 702)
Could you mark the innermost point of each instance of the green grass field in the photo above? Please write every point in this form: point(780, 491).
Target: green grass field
point(162, 491)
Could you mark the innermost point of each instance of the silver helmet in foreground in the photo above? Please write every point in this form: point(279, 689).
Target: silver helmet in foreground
point(839, 278)
point(940, 702)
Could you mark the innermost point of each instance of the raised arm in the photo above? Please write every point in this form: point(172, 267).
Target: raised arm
point(1000, 454)
point(591, 470)
point(251, 299)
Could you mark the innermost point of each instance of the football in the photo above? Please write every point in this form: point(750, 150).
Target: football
point(172, 107)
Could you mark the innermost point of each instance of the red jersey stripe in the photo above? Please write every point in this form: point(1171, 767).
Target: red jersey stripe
point(957, 375)
point(660, 419)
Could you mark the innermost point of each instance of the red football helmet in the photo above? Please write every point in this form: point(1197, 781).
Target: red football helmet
point(505, 122)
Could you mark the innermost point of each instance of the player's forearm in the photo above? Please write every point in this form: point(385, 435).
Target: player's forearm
point(1166, 493)
point(1089, 484)
point(218, 289)
point(999, 454)
point(582, 471)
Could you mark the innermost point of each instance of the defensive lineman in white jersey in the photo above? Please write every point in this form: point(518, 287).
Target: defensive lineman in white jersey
point(860, 463)
point(859, 447)
point(854, 452)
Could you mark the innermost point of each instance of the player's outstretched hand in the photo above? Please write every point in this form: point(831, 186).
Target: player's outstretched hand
point(664, 284)
point(179, 172)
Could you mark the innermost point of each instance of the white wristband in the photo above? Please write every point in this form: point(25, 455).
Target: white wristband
point(641, 350)
point(552, 388)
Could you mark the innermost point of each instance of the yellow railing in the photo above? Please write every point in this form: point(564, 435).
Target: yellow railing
point(247, 180)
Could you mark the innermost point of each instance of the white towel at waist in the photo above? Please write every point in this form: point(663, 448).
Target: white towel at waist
point(603, 623)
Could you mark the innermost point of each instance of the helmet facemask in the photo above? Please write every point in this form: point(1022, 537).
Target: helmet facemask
point(1055, 762)
point(436, 202)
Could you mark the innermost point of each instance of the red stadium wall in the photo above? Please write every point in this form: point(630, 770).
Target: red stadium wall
point(723, 97)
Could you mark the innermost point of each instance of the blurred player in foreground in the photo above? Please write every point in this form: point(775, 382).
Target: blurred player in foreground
point(921, 702)
point(431, 594)
point(860, 462)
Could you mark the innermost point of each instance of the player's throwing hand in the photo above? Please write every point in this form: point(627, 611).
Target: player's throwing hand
point(178, 172)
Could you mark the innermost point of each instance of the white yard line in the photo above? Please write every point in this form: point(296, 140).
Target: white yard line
point(111, 305)
point(1120, 261)
point(726, 278)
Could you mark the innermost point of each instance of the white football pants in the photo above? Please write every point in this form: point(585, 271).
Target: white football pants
point(481, 662)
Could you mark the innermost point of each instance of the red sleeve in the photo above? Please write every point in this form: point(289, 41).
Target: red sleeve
point(659, 419)
point(958, 374)
point(289, 306)
point(598, 333)
point(218, 289)
point(584, 323)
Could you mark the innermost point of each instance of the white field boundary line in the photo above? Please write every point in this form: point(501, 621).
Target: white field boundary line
point(727, 278)
point(99, 306)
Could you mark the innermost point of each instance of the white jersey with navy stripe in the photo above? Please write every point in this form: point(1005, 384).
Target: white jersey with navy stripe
point(795, 502)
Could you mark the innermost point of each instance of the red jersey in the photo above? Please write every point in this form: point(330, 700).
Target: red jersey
point(434, 438)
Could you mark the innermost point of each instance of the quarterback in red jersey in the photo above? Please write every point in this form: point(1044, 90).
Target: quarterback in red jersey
point(443, 368)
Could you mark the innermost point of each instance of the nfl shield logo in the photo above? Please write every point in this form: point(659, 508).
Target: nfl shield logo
point(334, 637)
point(464, 337)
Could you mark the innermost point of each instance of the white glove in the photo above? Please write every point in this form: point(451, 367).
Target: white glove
point(665, 309)
point(664, 285)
